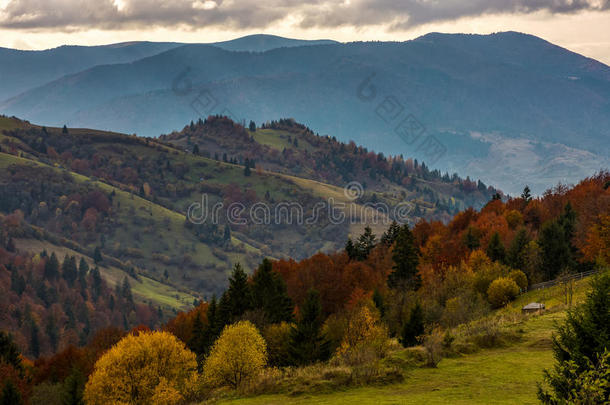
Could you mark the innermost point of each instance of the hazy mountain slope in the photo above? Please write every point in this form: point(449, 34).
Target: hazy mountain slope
point(262, 43)
point(542, 111)
point(23, 70)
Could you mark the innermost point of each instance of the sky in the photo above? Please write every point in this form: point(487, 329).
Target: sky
point(582, 26)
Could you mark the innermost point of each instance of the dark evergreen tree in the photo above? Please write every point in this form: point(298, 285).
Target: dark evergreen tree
point(126, 291)
point(579, 344)
point(471, 239)
point(18, 283)
point(64, 130)
point(366, 243)
point(9, 352)
point(97, 283)
point(247, 170)
point(97, 255)
point(239, 293)
point(197, 342)
point(196, 149)
point(252, 126)
point(555, 240)
point(214, 325)
point(495, 249)
point(73, 388)
point(83, 270)
point(68, 270)
point(10, 395)
point(51, 268)
point(389, 237)
point(350, 249)
point(34, 339)
point(307, 343)
point(405, 258)
point(269, 294)
point(413, 328)
point(379, 302)
point(526, 195)
point(52, 332)
point(514, 256)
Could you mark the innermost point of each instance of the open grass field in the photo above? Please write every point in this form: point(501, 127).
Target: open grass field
point(505, 375)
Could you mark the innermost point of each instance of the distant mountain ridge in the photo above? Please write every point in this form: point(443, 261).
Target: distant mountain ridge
point(509, 108)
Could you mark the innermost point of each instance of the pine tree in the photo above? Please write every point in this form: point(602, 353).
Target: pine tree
point(526, 195)
point(495, 249)
point(514, 257)
point(97, 255)
point(34, 338)
point(64, 130)
point(389, 237)
point(579, 344)
point(471, 239)
point(126, 291)
point(247, 170)
point(350, 249)
point(196, 149)
point(252, 126)
point(555, 240)
point(239, 294)
point(307, 343)
point(269, 294)
point(52, 332)
point(97, 283)
point(413, 328)
point(83, 270)
point(10, 395)
point(197, 342)
point(214, 325)
point(9, 352)
point(366, 243)
point(405, 257)
point(69, 270)
point(51, 268)
point(379, 302)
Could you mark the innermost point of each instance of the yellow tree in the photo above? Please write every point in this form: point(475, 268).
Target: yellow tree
point(239, 353)
point(151, 367)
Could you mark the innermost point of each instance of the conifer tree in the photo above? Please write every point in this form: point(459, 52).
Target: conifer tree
point(97, 255)
point(495, 249)
point(51, 268)
point(391, 234)
point(579, 347)
point(269, 294)
point(366, 243)
point(514, 256)
point(526, 195)
point(405, 258)
point(73, 388)
point(197, 342)
point(413, 328)
point(10, 395)
point(239, 293)
point(350, 249)
point(68, 270)
point(307, 343)
point(471, 239)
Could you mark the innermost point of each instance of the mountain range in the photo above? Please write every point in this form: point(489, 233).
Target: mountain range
point(509, 108)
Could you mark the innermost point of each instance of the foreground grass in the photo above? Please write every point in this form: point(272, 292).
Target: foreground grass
point(505, 375)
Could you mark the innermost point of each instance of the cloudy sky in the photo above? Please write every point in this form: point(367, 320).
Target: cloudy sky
point(579, 25)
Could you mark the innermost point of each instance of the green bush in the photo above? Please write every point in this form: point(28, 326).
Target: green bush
point(501, 291)
point(519, 278)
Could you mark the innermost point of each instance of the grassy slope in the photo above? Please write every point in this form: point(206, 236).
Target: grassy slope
point(145, 289)
point(505, 375)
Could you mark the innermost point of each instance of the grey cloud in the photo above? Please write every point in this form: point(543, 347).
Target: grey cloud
point(106, 14)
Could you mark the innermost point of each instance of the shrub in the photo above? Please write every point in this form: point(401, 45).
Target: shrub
point(502, 291)
point(277, 336)
point(433, 344)
point(146, 368)
point(519, 278)
point(239, 353)
point(364, 337)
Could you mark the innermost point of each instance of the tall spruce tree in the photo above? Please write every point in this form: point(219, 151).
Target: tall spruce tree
point(269, 294)
point(366, 243)
point(515, 255)
point(307, 343)
point(495, 249)
point(413, 328)
point(389, 236)
point(51, 267)
point(578, 348)
point(405, 257)
point(239, 293)
point(68, 270)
